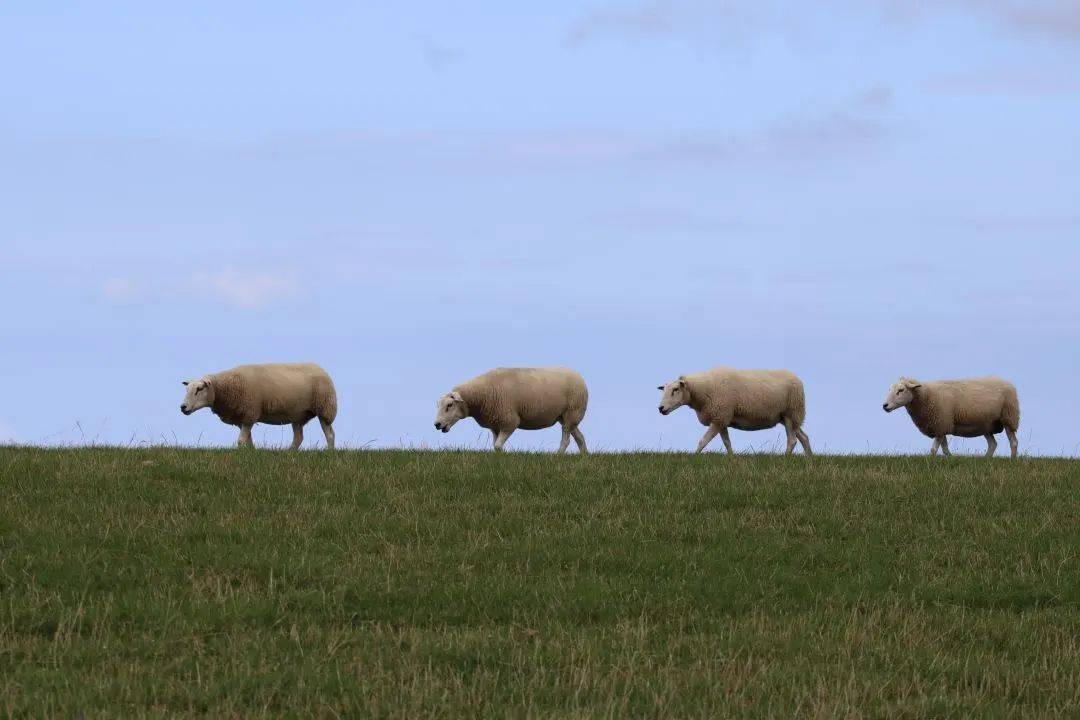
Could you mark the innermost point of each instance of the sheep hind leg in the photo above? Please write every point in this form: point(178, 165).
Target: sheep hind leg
point(328, 433)
point(1011, 434)
point(789, 428)
point(501, 439)
point(565, 441)
point(245, 437)
point(804, 440)
point(934, 447)
point(297, 436)
point(944, 441)
point(991, 445)
point(580, 440)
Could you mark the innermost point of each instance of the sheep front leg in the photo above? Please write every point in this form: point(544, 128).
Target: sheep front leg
point(934, 447)
point(245, 437)
point(580, 440)
point(991, 445)
point(328, 432)
point(501, 439)
point(726, 439)
point(710, 433)
point(297, 436)
point(1012, 441)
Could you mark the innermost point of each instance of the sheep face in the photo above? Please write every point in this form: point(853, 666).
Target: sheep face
point(450, 408)
point(673, 396)
point(900, 394)
point(200, 394)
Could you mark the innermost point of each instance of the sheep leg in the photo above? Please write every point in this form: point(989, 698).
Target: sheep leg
point(565, 440)
point(726, 439)
point(501, 439)
point(944, 441)
point(580, 440)
point(991, 445)
point(245, 437)
point(710, 433)
point(1012, 441)
point(789, 428)
point(804, 440)
point(297, 436)
point(328, 431)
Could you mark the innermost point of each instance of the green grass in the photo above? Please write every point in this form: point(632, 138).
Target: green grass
point(399, 584)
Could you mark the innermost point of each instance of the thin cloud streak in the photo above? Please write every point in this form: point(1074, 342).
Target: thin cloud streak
point(230, 287)
point(245, 289)
point(439, 57)
point(738, 21)
point(1003, 82)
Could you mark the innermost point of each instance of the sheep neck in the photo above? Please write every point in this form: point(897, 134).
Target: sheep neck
point(921, 410)
point(481, 404)
point(228, 394)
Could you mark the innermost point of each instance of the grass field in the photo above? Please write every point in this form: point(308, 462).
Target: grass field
point(397, 584)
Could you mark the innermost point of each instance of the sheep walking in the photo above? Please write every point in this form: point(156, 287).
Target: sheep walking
point(507, 399)
point(742, 399)
point(965, 408)
point(275, 394)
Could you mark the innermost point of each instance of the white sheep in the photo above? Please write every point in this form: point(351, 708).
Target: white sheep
point(742, 399)
point(275, 394)
point(966, 408)
point(506, 399)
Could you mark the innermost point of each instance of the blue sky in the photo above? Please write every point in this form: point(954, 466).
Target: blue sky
point(412, 193)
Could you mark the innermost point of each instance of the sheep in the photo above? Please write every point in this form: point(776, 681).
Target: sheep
point(965, 408)
point(743, 399)
point(276, 394)
point(506, 399)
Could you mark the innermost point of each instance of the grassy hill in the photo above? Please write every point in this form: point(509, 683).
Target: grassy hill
point(402, 584)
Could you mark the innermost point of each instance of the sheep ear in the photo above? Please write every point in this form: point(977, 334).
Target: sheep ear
point(184, 383)
point(659, 387)
point(456, 397)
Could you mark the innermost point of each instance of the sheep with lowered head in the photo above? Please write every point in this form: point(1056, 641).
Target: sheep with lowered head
point(965, 408)
point(275, 394)
point(507, 399)
point(743, 399)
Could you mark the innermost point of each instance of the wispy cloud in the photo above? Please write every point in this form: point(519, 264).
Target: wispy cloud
point(120, 290)
point(1058, 19)
point(231, 286)
point(877, 98)
point(659, 18)
point(1004, 82)
point(655, 219)
point(248, 290)
point(739, 21)
point(439, 57)
point(860, 123)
